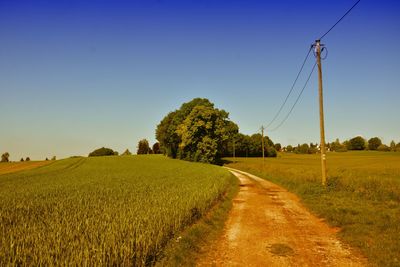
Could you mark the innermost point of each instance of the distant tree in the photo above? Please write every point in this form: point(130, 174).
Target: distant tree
point(47, 159)
point(383, 147)
point(27, 159)
point(5, 157)
point(313, 149)
point(102, 152)
point(392, 146)
point(126, 153)
point(357, 143)
point(374, 143)
point(398, 147)
point(342, 148)
point(303, 149)
point(143, 147)
point(338, 147)
point(156, 148)
point(289, 148)
point(239, 142)
point(22, 159)
point(278, 147)
point(53, 158)
point(335, 145)
point(328, 146)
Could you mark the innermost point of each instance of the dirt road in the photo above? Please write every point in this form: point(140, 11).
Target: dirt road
point(268, 226)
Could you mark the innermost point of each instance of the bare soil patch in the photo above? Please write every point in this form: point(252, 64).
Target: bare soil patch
point(9, 167)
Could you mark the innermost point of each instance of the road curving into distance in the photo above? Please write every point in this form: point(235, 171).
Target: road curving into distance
point(268, 226)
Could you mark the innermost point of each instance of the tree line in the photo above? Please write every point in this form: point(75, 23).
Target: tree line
point(355, 143)
point(243, 145)
point(5, 157)
point(143, 147)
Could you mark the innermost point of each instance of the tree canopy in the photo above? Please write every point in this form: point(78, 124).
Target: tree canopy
point(356, 143)
point(197, 131)
point(103, 152)
point(374, 143)
point(156, 148)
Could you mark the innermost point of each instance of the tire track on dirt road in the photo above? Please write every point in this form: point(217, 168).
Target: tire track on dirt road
point(268, 226)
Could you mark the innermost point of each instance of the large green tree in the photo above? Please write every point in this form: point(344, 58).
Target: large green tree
point(197, 131)
point(204, 132)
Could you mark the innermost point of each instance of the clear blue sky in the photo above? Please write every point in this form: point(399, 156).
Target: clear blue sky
point(78, 75)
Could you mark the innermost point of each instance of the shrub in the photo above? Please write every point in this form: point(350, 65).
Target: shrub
point(271, 152)
point(341, 149)
point(397, 149)
point(383, 148)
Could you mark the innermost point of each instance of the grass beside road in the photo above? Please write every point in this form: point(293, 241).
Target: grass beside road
point(194, 242)
point(362, 196)
point(103, 210)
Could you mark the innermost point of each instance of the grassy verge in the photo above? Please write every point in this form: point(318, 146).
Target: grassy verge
point(362, 196)
point(186, 247)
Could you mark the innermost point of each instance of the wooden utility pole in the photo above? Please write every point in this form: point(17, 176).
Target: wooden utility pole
point(321, 112)
point(262, 142)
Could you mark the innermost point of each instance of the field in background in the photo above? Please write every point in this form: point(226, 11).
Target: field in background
point(9, 167)
point(104, 210)
point(362, 197)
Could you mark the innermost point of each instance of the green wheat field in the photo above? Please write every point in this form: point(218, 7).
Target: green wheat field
point(102, 210)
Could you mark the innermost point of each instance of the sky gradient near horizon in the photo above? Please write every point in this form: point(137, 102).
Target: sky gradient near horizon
point(78, 75)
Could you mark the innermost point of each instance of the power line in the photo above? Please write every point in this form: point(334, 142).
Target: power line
point(340, 20)
point(298, 75)
point(291, 89)
point(297, 100)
